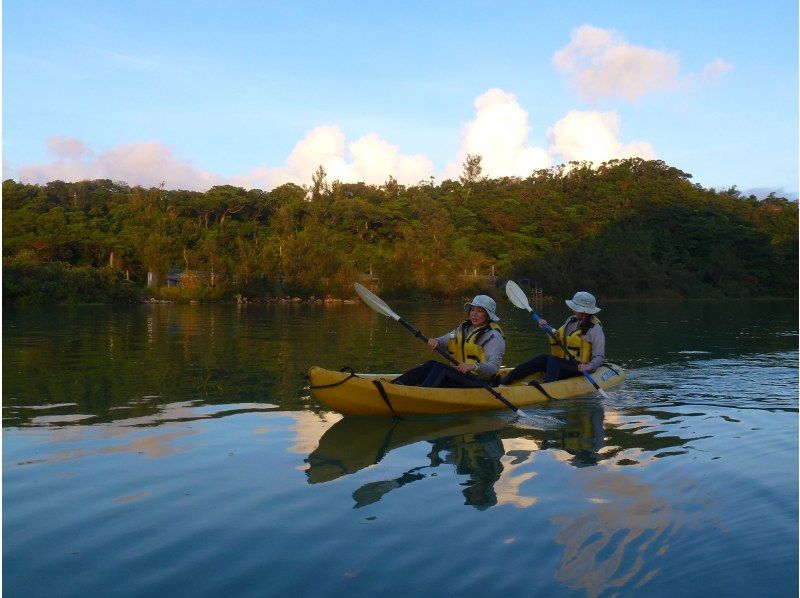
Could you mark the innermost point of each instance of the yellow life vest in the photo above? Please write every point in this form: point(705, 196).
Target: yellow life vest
point(579, 347)
point(469, 348)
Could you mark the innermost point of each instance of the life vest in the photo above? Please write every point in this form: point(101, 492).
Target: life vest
point(579, 347)
point(469, 348)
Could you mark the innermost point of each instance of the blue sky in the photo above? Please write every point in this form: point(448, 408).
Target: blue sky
point(260, 93)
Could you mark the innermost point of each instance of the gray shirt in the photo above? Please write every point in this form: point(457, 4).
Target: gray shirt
point(494, 345)
point(597, 337)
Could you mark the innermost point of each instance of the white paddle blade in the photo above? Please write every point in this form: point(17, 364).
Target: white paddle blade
point(517, 295)
point(375, 302)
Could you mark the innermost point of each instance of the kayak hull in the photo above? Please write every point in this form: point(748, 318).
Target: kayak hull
point(374, 394)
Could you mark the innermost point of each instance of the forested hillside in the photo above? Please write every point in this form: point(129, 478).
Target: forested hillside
point(626, 228)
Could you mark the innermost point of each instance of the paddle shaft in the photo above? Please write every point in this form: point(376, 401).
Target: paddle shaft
point(450, 358)
point(425, 339)
point(552, 332)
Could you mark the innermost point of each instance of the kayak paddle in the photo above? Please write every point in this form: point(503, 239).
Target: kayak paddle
point(520, 299)
point(378, 305)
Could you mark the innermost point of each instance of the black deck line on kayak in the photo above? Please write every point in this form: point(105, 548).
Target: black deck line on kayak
point(385, 397)
point(342, 381)
point(541, 389)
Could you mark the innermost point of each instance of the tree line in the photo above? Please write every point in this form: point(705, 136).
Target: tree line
point(625, 228)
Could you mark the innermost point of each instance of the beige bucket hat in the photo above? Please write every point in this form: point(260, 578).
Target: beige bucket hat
point(486, 303)
point(583, 302)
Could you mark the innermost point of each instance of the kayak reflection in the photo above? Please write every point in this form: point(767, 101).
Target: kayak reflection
point(474, 445)
point(354, 443)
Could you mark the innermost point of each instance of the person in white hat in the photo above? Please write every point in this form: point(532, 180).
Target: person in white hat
point(584, 338)
point(477, 344)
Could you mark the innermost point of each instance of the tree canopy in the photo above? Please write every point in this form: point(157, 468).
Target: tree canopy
point(624, 228)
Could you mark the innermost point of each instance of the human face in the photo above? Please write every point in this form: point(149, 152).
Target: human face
point(580, 315)
point(478, 316)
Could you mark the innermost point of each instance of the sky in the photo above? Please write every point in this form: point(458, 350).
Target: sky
point(256, 94)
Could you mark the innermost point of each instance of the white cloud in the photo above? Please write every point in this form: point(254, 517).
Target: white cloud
point(715, 69)
point(593, 136)
point(368, 159)
point(148, 164)
point(67, 148)
point(600, 64)
point(374, 160)
point(323, 146)
point(499, 133)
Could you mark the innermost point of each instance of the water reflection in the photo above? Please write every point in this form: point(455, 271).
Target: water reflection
point(623, 525)
point(101, 358)
point(484, 450)
point(617, 541)
point(490, 455)
point(123, 420)
point(354, 443)
point(583, 435)
point(73, 437)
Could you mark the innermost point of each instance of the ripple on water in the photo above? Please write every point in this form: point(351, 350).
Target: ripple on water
point(685, 481)
point(751, 382)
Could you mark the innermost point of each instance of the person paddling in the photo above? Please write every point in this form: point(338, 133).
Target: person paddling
point(583, 336)
point(477, 344)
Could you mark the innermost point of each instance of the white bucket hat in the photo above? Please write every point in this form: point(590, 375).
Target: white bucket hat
point(486, 303)
point(583, 302)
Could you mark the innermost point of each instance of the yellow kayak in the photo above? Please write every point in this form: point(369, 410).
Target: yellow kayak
point(350, 393)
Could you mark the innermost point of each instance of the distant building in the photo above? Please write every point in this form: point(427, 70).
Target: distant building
point(178, 277)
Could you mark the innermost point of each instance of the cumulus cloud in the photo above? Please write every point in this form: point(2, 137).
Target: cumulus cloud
point(368, 159)
point(600, 64)
point(499, 134)
point(593, 136)
point(148, 164)
point(67, 148)
point(374, 159)
point(500, 129)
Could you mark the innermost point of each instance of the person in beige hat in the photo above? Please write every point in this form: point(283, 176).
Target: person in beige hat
point(583, 336)
point(477, 344)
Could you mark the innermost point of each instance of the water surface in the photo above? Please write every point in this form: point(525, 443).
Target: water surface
point(155, 449)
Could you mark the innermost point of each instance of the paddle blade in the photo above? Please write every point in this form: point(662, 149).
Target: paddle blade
point(375, 302)
point(517, 296)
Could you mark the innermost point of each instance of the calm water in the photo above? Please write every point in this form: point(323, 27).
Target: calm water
point(169, 449)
